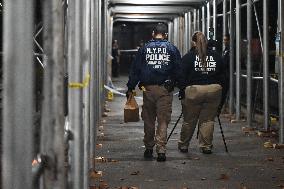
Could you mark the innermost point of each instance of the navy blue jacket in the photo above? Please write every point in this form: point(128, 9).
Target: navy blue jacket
point(194, 74)
point(154, 63)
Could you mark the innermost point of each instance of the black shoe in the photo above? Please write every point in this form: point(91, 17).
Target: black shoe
point(148, 153)
point(161, 157)
point(183, 150)
point(206, 150)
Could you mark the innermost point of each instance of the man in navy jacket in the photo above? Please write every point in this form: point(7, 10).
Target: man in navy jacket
point(155, 68)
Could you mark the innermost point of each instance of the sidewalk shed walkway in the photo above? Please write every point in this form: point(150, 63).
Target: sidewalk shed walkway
point(248, 165)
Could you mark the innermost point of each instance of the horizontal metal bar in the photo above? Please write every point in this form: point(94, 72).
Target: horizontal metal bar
point(128, 50)
point(139, 20)
point(157, 2)
point(145, 16)
point(259, 78)
point(151, 9)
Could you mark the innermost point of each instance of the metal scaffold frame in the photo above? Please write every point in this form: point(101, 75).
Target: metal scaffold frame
point(18, 100)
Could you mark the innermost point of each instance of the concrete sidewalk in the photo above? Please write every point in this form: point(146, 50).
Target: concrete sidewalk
point(248, 165)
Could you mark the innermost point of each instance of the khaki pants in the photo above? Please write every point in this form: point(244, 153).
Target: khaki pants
point(199, 106)
point(157, 103)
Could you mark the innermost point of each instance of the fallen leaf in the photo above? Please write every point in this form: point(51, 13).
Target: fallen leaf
point(101, 128)
point(99, 145)
point(268, 144)
point(103, 185)
point(101, 160)
point(223, 177)
point(280, 186)
point(96, 174)
point(135, 173)
point(247, 129)
point(233, 121)
point(196, 158)
point(269, 159)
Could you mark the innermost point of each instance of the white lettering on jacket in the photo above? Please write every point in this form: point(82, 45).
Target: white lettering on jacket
point(210, 65)
point(157, 57)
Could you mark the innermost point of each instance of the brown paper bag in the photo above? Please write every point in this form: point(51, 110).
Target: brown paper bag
point(131, 110)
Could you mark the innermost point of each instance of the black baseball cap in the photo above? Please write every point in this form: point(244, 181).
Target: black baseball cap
point(161, 28)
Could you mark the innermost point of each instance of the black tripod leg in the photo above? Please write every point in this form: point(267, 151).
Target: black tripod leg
point(174, 127)
point(222, 134)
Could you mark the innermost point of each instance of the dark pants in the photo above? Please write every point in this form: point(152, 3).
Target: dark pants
point(157, 104)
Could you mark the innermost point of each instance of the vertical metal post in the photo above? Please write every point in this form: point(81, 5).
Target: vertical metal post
point(208, 19)
point(176, 31)
point(225, 22)
point(181, 32)
point(171, 32)
point(75, 95)
point(238, 59)
point(189, 29)
point(203, 19)
point(265, 66)
point(186, 23)
point(249, 73)
point(93, 70)
point(86, 91)
point(281, 72)
point(232, 57)
point(18, 105)
point(215, 18)
point(194, 20)
point(198, 20)
point(99, 63)
point(52, 129)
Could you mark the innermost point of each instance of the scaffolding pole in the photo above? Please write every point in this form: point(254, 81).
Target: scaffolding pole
point(208, 19)
point(18, 104)
point(189, 29)
point(249, 73)
point(53, 119)
point(171, 32)
point(75, 95)
point(86, 22)
point(195, 20)
point(100, 61)
point(214, 18)
point(232, 58)
point(238, 59)
point(225, 23)
point(203, 19)
point(186, 32)
point(198, 20)
point(265, 65)
point(93, 84)
point(281, 71)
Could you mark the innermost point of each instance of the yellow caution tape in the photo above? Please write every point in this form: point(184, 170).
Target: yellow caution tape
point(76, 85)
point(110, 95)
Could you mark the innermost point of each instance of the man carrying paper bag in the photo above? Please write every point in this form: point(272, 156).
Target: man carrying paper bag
point(155, 68)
